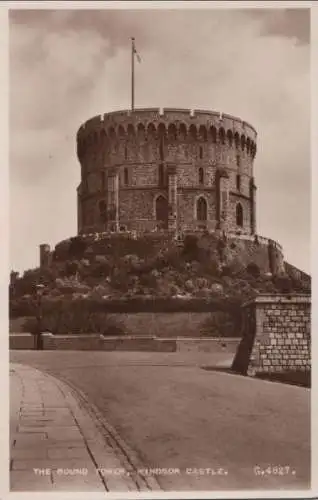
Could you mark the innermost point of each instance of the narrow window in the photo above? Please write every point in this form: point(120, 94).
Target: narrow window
point(239, 215)
point(238, 182)
point(126, 180)
point(126, 153)
point(201, 153)
point(161, 175)
point(238, 161)
point(202, 210)
point(201, 175)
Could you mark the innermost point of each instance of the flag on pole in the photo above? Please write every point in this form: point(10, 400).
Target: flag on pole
point(135, 51)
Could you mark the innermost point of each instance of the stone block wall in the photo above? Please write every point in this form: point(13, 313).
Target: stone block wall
point(147, 140)
point(276, 335)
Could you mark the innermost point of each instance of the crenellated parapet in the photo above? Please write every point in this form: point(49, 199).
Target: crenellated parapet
point(176, 125)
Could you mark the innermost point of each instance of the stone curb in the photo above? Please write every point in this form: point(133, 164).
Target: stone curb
point(128, 456)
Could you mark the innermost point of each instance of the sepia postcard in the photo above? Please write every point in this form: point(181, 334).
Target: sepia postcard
point(159, 287)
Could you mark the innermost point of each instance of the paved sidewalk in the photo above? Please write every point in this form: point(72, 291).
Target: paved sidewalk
point(54, 442)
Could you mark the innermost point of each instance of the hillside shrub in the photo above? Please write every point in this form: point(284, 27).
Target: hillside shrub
point(23, 306)
point(77, 247)
point(190, 247)
point(71, 268)
point(283, 283)
point(253, 269)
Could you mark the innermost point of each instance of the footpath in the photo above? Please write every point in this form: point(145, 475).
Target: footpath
point(55, 444)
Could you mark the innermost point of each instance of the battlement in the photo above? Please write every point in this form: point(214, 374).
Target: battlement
point(177, 125)
point(146, 117)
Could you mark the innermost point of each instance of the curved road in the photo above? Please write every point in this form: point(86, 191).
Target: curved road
point(218, 431)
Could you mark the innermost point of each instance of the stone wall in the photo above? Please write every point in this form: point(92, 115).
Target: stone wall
point(276, 335)
point(22, 341)
point(139, 142)
point(212, 345)
point(101, 343)
point(147, 344)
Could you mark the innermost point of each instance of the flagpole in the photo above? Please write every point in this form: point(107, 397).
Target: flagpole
point(132, 74)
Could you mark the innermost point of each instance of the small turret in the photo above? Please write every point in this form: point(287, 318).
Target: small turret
point(45, 255)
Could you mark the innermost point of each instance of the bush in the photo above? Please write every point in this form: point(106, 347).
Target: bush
point(283, 284)
point(25, 306)
point(253, 269)
point(31, 325)
point(77, 247)
point(71, 268)
point(190, 246)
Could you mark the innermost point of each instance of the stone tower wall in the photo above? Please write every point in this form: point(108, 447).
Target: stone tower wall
point(147, 151)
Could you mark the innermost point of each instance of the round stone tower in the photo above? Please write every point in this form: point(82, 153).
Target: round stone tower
point(174, 169)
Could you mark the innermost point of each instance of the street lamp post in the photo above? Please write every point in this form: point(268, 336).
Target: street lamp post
point(39, 293)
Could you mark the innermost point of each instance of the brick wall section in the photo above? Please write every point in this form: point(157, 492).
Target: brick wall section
point(276, 335)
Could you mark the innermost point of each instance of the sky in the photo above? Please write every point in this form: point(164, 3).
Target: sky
point(69, 65)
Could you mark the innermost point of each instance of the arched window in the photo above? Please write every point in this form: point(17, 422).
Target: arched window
point(203, 133)
point(151, 130)
point(161, 175)
point(202, 209)
point(141, 131)
point(201, 175)
point(126, 178)
point(222, 135)
point(213, 134)
point(230, 137)
point(162, 210)
point(239, 215)
point(182, 132)
point(193, 132)
point(238, 182)
point(130, 130)
point(102, 211)
point(172, 132)
point(201, 153)
point(121, 131)
point(248, 143)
